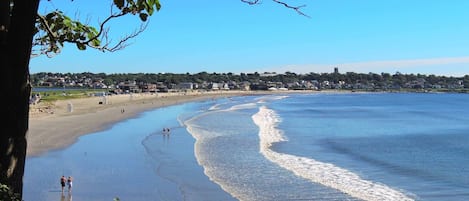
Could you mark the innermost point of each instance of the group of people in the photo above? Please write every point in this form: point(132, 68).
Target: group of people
point(66, 181)
point(166, 131)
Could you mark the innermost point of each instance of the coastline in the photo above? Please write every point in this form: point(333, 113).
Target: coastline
point(64, 121)
point(166, 156)
point(132, 153)
point(57, 125)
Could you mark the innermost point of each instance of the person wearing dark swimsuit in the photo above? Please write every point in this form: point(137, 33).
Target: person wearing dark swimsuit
point(62, 182)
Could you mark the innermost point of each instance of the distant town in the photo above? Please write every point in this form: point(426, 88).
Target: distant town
point(169, 82)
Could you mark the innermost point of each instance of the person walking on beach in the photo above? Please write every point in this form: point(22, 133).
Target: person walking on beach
point(166, 131)
point(70, 183)
point(62, 182)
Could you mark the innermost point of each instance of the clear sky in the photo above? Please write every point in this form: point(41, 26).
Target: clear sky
point(407, 36)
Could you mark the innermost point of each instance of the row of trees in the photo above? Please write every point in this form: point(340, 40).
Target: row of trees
point(383, 79)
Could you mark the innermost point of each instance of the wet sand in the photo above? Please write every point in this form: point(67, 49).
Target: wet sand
point(58, 125)
point(116, 159)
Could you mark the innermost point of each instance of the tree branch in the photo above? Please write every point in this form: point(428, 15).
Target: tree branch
point(122, 42)
point(253, 2)
point(296, 8)
point(54, 29)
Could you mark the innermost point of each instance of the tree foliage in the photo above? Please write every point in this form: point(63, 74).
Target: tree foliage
point(6, 194)
point(54, 29)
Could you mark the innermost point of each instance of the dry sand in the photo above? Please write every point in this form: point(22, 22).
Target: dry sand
point(59, 124)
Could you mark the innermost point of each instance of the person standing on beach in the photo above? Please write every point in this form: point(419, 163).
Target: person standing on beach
point(70, 183)
point(166, 131)
point(62, 182)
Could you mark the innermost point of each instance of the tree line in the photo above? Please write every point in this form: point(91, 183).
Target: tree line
point(378, 80)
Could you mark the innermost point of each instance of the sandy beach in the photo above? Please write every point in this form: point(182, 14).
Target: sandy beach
point(124, 145)
point(59, 124)
point(145, 164)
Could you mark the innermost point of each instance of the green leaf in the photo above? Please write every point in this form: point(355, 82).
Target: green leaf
point(158, 5)
point(149, 9)
point(68, 22)
point(96, 43)
point(91, 35)
point(143, 17)
point(151, 4)
point(119, 3)
point(81, 46)
point(93, 30)
point(132, 2)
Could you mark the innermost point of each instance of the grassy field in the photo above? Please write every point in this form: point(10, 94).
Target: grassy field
point(53, 95)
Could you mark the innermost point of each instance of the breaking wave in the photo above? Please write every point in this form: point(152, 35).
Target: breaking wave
point(324, 173)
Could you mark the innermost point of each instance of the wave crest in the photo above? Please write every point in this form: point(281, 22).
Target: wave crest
point(324, 173)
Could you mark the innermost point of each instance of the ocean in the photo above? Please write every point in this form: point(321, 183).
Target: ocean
point(319, 146)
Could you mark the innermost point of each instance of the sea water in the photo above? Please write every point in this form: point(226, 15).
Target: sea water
point(131, 161)
point(320, 146)
point(372, 146)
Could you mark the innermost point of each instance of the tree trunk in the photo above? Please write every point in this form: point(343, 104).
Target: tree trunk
point(16, 32)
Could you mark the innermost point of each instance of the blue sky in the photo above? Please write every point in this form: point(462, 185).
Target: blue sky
point(408, 36)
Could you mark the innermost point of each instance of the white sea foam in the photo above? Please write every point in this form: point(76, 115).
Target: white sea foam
point(214, 107)
point(324, 173)
point(264, 99)
point(243, 106)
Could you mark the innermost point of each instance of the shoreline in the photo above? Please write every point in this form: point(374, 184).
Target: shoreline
point(64, 121)
point(132, 153)
point(57, 125)
point(172, 161)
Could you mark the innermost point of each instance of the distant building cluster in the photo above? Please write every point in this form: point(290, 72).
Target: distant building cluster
point(161, 83)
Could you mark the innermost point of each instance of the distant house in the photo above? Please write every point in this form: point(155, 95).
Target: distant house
point(274, 84)
point(161, 87)
point(416, 84)
point(214, 86)
point(259, 86)
point(224, 86)
point(47, 84)
point(245, 85)
point(151, 88)
point(185, 86)
point(129, 88)
point(98, 85)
